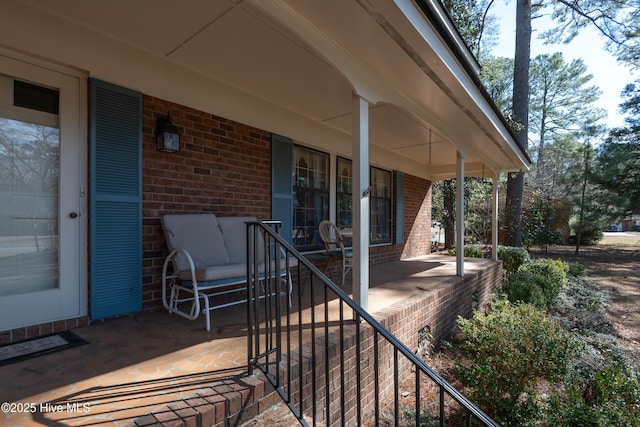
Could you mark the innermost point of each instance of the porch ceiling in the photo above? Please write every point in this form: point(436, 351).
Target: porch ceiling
point(307, 58)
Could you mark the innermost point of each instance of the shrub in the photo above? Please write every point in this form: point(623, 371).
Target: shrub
point(521, 287)
point(512, 257)
point(537, 282)
point(582, 304)
point(582, 294)
point(509, 349)
point(576, 269)
point(592, 229)
point(611, 398)
point(469, 252)
point(550, 275)
point(538, 223)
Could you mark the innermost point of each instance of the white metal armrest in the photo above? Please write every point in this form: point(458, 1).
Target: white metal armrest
point(195, 310)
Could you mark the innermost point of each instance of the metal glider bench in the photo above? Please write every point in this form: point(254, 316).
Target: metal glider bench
point(208, 255)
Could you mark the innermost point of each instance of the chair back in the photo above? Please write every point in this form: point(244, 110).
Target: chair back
point(330, 235)
point(234, 232)
point(198, 234)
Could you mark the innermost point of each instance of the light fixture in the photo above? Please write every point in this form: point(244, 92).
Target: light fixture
point(167, 135)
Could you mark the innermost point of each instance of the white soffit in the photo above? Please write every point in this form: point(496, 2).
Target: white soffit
point(256, 48)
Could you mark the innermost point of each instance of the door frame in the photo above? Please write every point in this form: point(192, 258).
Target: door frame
point(74, 128)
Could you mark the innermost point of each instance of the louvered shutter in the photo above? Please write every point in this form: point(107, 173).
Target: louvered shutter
point(116, 200)
point(399, 207)
point(282, 184)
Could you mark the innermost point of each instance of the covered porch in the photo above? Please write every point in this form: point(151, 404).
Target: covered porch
point(155, 362)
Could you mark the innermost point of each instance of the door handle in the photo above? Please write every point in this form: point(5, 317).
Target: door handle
point(73, 215)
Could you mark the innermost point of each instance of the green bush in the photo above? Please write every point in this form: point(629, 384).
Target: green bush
point(536, 282)
point(550, 275)
point(521, 287)
point(512, 257)
point(538, 223)
point(552, 266)
point(576, 269)
point(582, 294)
point(592, 228)
point(469, 252)
point(611, 398)
point(582, 304)
point(509, 349)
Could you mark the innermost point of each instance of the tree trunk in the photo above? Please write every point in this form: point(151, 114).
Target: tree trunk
point(449, 200)
point(582, 198)
point(515, 182)
point(540, 167)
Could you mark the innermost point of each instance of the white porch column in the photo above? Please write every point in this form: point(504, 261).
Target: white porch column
point(494, 220)
point(360, 140)
point(459, 215)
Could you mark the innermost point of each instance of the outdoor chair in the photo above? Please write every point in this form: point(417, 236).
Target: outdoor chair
point(208, 256)
point(335, 249)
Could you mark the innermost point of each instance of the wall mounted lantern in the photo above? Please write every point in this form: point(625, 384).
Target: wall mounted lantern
point(167, 135)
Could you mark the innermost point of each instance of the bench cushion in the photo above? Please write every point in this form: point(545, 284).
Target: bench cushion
point(234, 232)
point(217, 272)
point(232, 273)
point(198, 234)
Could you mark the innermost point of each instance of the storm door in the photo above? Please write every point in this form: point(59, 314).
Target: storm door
point(42, 224)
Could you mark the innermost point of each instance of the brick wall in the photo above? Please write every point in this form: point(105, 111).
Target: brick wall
point(417, 207)
point(436, 311)
point(222, 167)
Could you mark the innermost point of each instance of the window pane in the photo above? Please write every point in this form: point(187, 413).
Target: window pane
point(344, 208)
point(311, 196)
point(380, 205)
point(29, 166)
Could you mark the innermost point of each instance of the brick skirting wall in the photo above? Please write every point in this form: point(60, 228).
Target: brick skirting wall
point(436, 310)
point(19, 334)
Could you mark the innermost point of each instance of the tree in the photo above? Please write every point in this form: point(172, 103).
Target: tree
point(477, 193)
point(515, 181)
point(617, 20)
point(571, 16)
point(497, 78)
point(476, 26)
point(539, 217)
point(617, 165)
point(560, 102)
point(443, 208)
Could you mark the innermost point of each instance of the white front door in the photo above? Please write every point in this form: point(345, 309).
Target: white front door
point(42, 193)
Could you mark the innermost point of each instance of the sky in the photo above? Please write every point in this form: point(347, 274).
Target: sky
point(608, 75)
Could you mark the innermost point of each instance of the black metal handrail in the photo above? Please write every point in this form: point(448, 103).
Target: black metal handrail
point(309, 360)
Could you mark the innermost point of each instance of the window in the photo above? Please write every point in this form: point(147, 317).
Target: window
point(310, 196)
point(379, 202)
point(344, 183)
point(304, 185)
point(380, 205)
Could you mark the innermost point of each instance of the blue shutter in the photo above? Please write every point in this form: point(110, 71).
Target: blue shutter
point(116, 200)
point(399, 207)
point(282, 183)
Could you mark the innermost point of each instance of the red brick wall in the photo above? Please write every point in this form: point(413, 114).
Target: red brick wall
point(417, 216)
point(222, 167)
point(435, 310)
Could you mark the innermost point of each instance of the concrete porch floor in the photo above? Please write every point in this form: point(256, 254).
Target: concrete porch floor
point(134, 365)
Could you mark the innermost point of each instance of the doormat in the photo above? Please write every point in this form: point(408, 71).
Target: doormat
point(34, 347)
